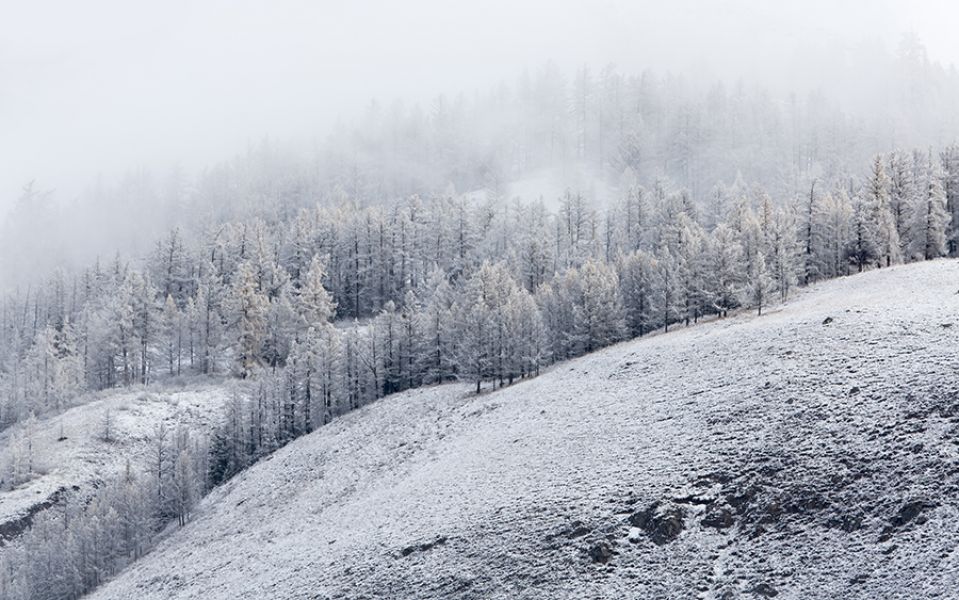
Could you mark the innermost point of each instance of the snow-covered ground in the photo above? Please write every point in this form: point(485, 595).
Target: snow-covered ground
point(808, 453)
point(550, 185)
point(72, 456)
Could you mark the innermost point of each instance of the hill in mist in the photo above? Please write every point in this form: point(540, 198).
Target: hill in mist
point(808, 453)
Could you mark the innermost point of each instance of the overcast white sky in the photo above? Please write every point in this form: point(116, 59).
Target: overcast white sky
point(103, 85)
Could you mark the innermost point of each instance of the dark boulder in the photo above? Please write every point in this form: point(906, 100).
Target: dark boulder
point(765, 590)
point(424, 547)
point(847, 522)
point(718, 516)
point(908, 513)
point(662, 522)
point(576, 529)
point(600, 553)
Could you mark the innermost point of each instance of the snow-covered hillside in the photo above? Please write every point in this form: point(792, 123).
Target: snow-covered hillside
point(79, 450)
point(807, 453)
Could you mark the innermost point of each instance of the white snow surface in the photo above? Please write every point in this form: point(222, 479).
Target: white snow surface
point(551, 185)
point(72, 457)
point(799, 458)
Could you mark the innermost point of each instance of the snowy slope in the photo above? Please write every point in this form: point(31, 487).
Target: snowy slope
point(809, 453)
point(71, 456)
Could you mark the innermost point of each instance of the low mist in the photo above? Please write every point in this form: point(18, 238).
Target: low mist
point(107, 107)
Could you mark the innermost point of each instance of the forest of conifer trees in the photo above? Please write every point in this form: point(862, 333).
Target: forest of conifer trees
point(348, 304)
point(317, 285)
point(322, 313)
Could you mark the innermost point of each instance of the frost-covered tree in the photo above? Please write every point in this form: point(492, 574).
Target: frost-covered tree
point(386, 332)
point(171, 267)
point(599, 318)
point(436, 360)
point(557, 314)
point(727, 269)
point(836, 236)
point(190, 329)
point(876, 194)
point(668, 300)
point(211, 304)
point(783, 252)
point(528, 342)
point(107, 426)
point(902, 197)
point(172, 332)
point(146, 322)
point(810, 227)
point(533, 255)
point(931, 219)
point(22, 459)
point(473, 317)
point(410, 341)
point(314, 305)
point(281, 328)
point(691, 266)
point(949, 158)
point(248, 316)
point(759, 282)
point(864, 245)
point(185, 485)
point(491, 312)
point(53, 370)
point(637, 278)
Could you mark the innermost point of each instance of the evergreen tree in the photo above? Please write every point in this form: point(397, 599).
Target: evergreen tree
point(249, 309)
point(837, 233)
point(931, 219)
point(314, 304)
point(782, 253)
point(172, 331)
point(436, 360)
point(668, 300)
point(950, 182)
point(598, 317)
point(863, 246)
point(876, 193)
point(728, 270)
point(637, 274)
point(759, 283)
point(902, 197)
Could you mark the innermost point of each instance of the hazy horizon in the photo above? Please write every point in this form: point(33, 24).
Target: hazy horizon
point(108, 87)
